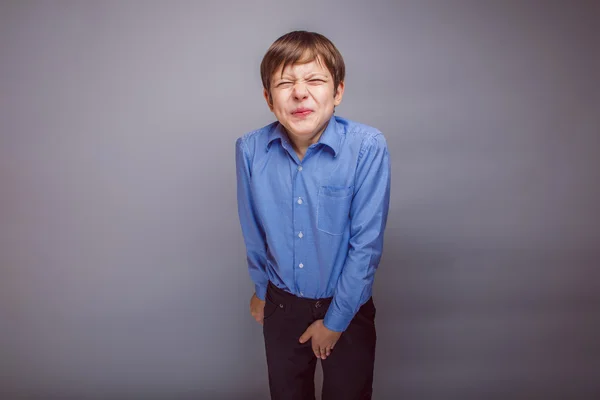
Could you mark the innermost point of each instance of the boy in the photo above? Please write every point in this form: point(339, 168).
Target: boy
point(313, 196)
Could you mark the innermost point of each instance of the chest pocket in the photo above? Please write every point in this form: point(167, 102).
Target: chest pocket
point(333, 211)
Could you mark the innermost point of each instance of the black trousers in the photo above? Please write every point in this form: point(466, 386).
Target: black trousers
point(347, 372)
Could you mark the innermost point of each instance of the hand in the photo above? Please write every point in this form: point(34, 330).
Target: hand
point(323, 339)
point(257, 308)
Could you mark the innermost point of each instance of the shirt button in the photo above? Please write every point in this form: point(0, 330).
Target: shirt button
point(300, 235)
point(299, 200)
point(301, 265)
point(299, 167)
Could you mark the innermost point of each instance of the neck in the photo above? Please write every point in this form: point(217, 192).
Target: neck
point(300, 146)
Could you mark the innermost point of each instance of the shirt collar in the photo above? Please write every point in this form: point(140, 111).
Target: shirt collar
point(277, 132)
point(330, 136)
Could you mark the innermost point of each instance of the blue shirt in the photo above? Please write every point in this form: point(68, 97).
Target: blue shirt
point(315, 227)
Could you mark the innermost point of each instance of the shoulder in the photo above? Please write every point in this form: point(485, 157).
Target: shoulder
point(250, 140)
point(360, 134)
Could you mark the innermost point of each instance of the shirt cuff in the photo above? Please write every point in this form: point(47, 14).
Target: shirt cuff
point(337, 322)
point(261, 291)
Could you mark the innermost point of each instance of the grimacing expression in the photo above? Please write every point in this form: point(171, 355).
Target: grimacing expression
point(303, 99)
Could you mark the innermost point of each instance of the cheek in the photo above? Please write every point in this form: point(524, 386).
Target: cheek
point(279, 109)
point(279, 103)
point(324, 96)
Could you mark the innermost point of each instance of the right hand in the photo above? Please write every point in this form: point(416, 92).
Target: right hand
point(257, 308)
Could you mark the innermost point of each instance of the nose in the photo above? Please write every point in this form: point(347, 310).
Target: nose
point(300, 91)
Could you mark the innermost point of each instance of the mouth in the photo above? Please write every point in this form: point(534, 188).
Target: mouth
point(302, 112)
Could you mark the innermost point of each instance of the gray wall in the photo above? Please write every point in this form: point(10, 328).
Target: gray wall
point(122, 267)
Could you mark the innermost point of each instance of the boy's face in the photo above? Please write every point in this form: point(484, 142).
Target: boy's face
point(303, 99)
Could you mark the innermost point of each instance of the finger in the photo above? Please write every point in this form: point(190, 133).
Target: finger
point(305, 336)
point(333, 345)
point(323, 352)
point(328, 351)
point(317, 352)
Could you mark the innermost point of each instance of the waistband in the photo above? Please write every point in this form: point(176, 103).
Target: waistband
point(284, 294)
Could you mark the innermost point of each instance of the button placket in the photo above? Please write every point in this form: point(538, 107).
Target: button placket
point(299, 217)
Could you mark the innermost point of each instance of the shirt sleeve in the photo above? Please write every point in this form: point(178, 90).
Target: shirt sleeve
point(252, 231)
point(368, 217)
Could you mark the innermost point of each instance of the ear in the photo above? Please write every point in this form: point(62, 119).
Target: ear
point(268, 99)
point(339, 93)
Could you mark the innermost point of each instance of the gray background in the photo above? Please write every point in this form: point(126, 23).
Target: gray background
point(122, 264)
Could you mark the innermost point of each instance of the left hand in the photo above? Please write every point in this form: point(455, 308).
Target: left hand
point(323, 339)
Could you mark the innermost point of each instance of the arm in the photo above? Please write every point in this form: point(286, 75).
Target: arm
point(368, 217)
point(254, 237)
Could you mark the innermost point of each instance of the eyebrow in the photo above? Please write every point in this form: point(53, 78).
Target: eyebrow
point(310, 75)
point(317, 75)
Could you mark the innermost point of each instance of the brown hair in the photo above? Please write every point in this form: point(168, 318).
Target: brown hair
point(302, 47)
